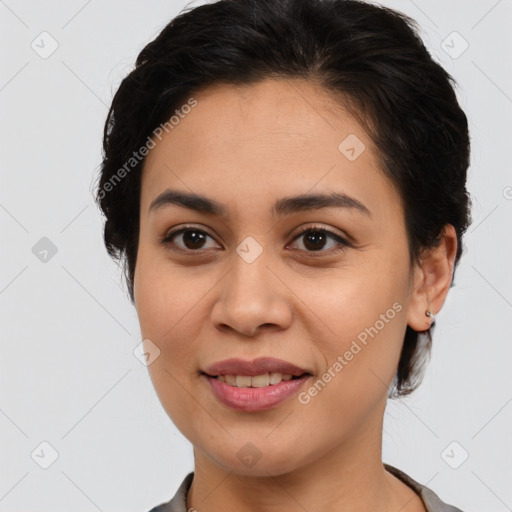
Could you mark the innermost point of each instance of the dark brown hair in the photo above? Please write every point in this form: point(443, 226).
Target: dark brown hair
point(370, 55)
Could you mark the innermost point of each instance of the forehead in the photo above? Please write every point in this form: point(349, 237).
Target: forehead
point(278, 137)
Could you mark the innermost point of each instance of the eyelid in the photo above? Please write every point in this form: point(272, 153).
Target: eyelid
point(319, 227)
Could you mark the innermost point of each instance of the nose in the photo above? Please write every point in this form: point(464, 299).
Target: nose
point(252, 297)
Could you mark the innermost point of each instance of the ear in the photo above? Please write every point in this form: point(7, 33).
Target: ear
point(432, 281)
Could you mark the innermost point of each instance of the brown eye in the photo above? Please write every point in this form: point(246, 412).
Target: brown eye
point(315, 239)
point(189, 238)
point(193, 239)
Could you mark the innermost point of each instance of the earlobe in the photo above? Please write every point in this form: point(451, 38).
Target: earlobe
point(431, 316)
point(432, 281)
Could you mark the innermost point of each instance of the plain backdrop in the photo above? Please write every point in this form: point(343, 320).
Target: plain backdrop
point(74, 398)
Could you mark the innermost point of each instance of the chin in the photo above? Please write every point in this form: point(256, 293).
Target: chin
point(250, 461)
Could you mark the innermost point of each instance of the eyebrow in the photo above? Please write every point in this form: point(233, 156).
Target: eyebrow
point(282, 207)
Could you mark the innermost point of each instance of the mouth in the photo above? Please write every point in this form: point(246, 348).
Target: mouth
point(255, 393)
point(250, 386)
point(256, 381)
point(261, 369)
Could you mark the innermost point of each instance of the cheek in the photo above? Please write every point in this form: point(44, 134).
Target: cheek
point(165, 294)
point(167, 307)
point(360, 317)
point(352, 300)
point(360, 360)
point(168, 300)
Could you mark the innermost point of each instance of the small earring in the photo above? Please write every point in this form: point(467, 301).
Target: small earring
point(431, 315)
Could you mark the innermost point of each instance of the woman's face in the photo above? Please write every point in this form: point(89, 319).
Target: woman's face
point(247, 284)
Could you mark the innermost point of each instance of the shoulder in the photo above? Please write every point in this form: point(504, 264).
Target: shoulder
point(178, 503)
point(430, 499)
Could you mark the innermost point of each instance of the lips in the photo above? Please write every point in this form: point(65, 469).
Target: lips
point(258, 366)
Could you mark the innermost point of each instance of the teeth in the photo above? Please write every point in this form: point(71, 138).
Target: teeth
point(243, 381)
point(258, 381)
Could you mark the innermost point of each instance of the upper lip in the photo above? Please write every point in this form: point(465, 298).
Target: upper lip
point(257, 366)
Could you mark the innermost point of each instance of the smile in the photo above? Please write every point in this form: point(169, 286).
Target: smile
point(257, 381)
point(255, 393)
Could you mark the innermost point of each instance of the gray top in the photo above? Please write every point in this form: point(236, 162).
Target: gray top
point(431, 501)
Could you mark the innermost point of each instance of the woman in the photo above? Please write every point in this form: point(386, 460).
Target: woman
point(285, 183)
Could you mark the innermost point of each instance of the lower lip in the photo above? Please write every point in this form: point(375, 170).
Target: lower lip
point(255, 399)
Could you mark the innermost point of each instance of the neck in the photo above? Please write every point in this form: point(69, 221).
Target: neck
point(349, 477)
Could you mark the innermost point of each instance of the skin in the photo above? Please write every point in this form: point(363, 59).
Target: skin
point(247, 147)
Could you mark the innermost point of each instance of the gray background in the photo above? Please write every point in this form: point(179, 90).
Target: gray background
point(68, 373)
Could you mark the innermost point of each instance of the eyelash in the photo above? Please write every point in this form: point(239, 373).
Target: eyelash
point(167, 239)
